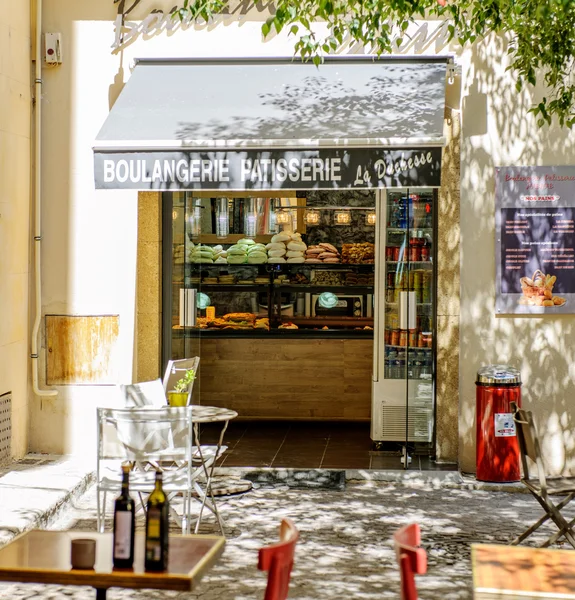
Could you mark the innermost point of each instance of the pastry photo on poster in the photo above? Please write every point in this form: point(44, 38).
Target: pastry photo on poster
point(535, 240)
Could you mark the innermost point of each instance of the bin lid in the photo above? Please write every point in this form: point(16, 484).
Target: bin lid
point(499, 375)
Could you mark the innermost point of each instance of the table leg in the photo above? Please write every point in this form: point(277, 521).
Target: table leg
point(209, 475)
point(101, 593)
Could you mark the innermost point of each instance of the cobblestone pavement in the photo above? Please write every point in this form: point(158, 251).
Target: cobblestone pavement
point(345, 550)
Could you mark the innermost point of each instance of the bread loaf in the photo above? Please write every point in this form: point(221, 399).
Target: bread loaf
point(276, 246)
point(276, 253)
point(326, 255)
point(296, 260)
point(280, 237)
point(294, 254)
point(329, 247)
point(297, 246)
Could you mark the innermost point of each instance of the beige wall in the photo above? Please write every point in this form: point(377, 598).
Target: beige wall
point(498, 131)
point(90, 246)
point(15, 105)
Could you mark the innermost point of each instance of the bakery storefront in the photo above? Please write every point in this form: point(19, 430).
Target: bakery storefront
point(300, 236)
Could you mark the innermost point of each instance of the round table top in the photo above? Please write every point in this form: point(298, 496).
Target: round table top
point(211, 414)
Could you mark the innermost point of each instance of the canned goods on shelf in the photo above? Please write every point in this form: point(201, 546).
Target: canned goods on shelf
point(414, 253)
point(403, 337)
point(413, 338)
point(394, 337)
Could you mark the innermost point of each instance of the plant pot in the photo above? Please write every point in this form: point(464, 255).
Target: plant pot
point(178, 398)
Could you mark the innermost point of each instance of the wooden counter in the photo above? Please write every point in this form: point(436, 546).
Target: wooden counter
point(286, 378)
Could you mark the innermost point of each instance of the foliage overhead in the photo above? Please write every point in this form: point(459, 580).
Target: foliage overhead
point(541, 34)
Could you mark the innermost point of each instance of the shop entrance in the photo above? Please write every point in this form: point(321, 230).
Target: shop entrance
point(313, 317)
point(299, 257)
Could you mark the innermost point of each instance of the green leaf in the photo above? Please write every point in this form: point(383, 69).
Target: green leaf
point(317, 60)
point(266, 28)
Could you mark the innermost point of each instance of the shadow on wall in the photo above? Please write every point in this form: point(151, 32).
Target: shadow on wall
point(503, 133)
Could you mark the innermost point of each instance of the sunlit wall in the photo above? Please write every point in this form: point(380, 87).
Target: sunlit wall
point(15, 103)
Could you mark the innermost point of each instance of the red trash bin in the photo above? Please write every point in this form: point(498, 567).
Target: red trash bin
point(497, 455)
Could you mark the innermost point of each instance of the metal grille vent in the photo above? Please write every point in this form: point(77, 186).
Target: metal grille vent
point(5, 427)
point(420, 421)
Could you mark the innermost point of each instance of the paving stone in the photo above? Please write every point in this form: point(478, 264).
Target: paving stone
point(345, 549)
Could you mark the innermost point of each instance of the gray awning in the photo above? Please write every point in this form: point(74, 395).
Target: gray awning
point(347, 114)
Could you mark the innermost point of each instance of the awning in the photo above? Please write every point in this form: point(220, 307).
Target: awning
point(354, 122)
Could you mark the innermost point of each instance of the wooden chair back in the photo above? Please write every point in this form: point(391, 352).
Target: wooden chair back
point(411, 559)
point(277, 560)
point(529, 443)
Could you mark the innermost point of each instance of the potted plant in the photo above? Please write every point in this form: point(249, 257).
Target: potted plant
point(179, 395)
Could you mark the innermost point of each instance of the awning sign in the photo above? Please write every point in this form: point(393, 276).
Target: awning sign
point(329, 168)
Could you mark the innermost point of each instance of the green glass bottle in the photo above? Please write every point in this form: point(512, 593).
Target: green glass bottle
point(157, 528)
point(124, 525)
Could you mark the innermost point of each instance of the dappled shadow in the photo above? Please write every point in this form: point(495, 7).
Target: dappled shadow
point(538, 345)
point(345, 548)
point(403, 100)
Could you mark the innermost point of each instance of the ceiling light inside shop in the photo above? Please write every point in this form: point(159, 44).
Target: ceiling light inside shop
point(283, 217)
point(342, 217)
point(370, 218)
point(311, 217)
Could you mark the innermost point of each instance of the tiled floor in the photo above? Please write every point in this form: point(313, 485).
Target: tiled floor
point(304, 445)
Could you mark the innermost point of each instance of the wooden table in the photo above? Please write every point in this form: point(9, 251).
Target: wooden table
point(503, 572)
point(44, 557)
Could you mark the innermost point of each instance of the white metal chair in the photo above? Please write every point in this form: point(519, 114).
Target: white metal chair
point(144, 436)
point(176, 369)
point(146, 393)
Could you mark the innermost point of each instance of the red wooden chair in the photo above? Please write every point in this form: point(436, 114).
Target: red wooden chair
point(411, 559)
point(277, 559)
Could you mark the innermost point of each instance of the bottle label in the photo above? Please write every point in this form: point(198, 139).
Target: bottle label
point(122, 534)
point(154, 521)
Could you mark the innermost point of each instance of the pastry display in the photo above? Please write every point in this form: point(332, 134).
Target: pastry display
point(359, 278)
point(357, 254)
point(321, 253)
point(286, 248)
point(327, 278)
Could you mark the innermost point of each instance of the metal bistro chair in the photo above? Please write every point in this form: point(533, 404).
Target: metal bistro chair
point(277, 560)
point(144, 436)
point(545, 487)
point(150, 394)
point(176, 369)
point(412, 560)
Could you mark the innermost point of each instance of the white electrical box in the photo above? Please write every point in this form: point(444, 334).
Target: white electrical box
point(53, 48)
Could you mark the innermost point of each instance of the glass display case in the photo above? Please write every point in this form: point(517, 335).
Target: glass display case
point(254, 267)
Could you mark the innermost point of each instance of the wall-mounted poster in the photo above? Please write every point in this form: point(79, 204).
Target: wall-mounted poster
point(535, 240)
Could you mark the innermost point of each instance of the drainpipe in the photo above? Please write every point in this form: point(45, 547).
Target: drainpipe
point(37, 204)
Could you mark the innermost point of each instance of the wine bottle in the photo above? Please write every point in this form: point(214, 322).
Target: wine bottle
point(124, 525)
point(157, 526)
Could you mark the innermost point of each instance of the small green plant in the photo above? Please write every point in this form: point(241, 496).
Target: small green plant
point(183, 384)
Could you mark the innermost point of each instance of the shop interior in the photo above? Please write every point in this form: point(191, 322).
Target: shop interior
point(312, 313)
